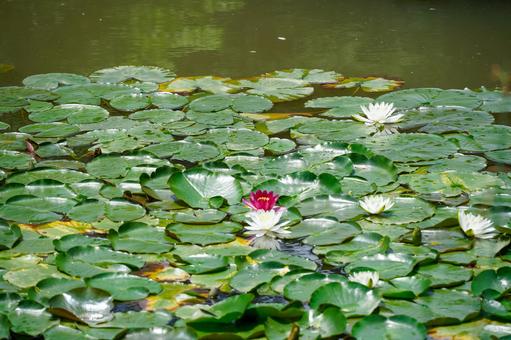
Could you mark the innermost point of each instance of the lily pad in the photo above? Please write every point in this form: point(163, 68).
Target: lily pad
point(89, 305)
point(278, 89)
point(50, 81)
point(369, 84)
point(30, 318)
point(124, 287)
point(197, 187)
point(413, 98)
point(120, 74)
point(396, 327)
point(411, 147)
point(352, 298)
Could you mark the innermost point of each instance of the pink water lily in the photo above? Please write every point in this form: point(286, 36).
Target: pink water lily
point(261, 200)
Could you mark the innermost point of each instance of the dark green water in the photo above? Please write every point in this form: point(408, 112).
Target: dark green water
point(426, 43)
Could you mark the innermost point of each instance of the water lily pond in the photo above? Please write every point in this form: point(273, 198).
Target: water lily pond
point(141, 204)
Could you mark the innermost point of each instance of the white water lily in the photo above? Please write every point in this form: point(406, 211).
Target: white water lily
point(265, 227)
point(376, 204)
point(367, 278)
point(476, 226)
point(378, 113)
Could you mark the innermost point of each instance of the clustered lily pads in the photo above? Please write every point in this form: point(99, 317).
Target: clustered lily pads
point(137, 204)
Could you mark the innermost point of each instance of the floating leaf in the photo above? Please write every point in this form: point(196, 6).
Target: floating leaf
point(414, 98)
point(197, 187)
point(311, 76)
point(30, 318)
point(209, 84)
point(124, 287)
point(369, 84)
point(396, 327)
point(89, 305)
point(50, 81)
point(411, 147)
point(352, 298)
point(278, 89)
point(120, 74)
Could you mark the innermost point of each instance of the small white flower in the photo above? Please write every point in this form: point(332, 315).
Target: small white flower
point(265, 227)
point(376, 204)
point(367, 278)
point(378, 113)
point(476, 225)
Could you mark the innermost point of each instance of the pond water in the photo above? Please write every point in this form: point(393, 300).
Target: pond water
point(426, 43)
point(121, 188)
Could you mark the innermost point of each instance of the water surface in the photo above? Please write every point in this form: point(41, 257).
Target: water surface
point(426, 43)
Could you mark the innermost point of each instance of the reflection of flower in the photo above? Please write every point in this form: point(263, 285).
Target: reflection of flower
point(476, 225)
point(262, 200)
point(265, 227)
point(376, 204)
point(367, 278)
point(378, 113)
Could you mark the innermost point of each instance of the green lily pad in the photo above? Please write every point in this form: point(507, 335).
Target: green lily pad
point(236, 102)
point(119, 209)
point(496, 281)
point(338, 131)
point(444, 274)
point(124, 287)
point(499, 156)
point(31, 318)
point(302, 288)
point(61, 175)
point(204, 234)
point(339, 107)
point(50, 81)
point(395, 327)
point(197, 187)
point(215, 85)
point(451, 305)
point(444, 119)
point(411, 147)
point(9, 235)
point(278, 89)
point(51, 130)
point(250, 277)
point(138, 237)
point(405, 210)
point(369, 84)
point(413, 98)
point(218, 118)
point(323, 231)
point(120, 74)
point(484, 138)
point(389, 266)
point(352, 298)
point(158, 116)
point(311, 76)
point(339, 206)
point(494, 101)
point(407, 287)
point(92, 94)
point(14, 160)
point(130, 102)
point(74, 113)
point(50, 287)
point(87, 261)
point(327, 323)
point(89, 305)
point(169, 101)
point(451, 183)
